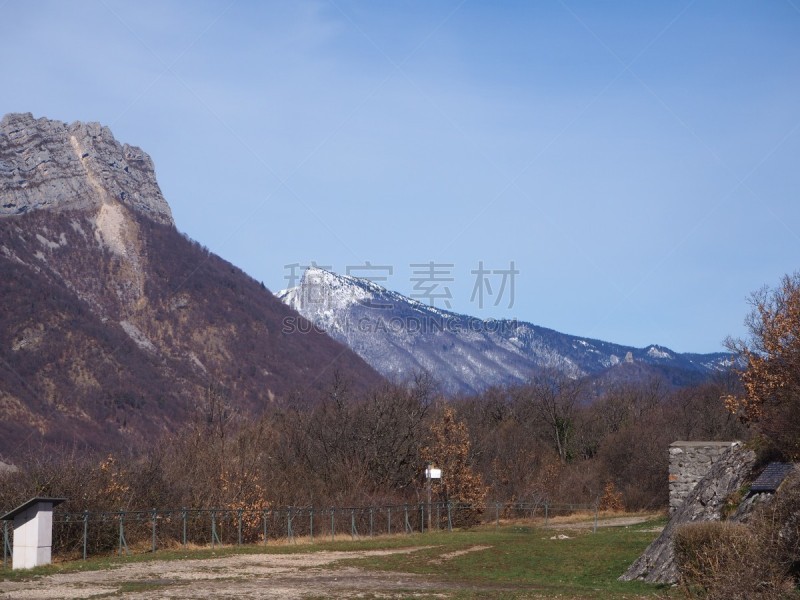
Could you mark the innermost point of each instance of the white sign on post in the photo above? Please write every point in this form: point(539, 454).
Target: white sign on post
point(433, 473)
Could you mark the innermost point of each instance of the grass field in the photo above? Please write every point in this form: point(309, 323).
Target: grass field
point(522, 560)
point(514, 560)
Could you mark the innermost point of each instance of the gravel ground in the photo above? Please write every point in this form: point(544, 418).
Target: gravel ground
point(289, 576)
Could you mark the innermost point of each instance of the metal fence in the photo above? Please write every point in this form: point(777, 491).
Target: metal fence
point(82, 534)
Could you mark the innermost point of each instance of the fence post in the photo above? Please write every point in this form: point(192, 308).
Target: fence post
point(407, 524)
point(496, 515)
point(594, 529)
point(183, 517)
point(5, 544)
point(546, 513)
point(438, 515)
point(85, 531)
point(389, 520)
point(213, 527)
point(239, 527)
point(289, 531)
point(154, 531)
point(333, 525)
point(422, 518)
point(122, 542)
point(370, 522)
point(353, 532)
point(450, 515)
point(264, 519)
point(311, 522)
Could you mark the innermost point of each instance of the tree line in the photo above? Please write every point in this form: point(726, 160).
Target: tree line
point(553, 439)
point(548, 440)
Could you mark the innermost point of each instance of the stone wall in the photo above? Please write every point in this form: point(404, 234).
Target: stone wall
point(689, 462)
point(731, 468)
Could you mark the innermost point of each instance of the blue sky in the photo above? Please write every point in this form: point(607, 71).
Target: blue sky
point(636, 161)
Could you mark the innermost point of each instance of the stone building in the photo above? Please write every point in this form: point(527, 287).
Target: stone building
point(689, 462)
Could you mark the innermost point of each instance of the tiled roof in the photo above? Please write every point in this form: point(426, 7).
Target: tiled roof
point(771, 477)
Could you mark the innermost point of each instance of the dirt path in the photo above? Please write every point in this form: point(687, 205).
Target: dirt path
point(610, 522)
point(289, 576)
point(457, 553)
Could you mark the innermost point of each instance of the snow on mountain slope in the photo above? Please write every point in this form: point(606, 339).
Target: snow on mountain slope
point(399, 336)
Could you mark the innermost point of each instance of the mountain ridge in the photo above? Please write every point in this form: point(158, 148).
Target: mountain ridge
point(116, 328)
point(468, 354)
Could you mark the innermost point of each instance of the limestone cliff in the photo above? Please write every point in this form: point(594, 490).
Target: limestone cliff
point(114, 325)
point(49, 164)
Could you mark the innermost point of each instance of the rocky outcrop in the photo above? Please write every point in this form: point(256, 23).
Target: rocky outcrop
point(49, 164)
point(704, 503)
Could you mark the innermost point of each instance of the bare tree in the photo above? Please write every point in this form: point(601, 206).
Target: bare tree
point(554, 399)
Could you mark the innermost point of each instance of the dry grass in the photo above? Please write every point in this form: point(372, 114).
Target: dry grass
point(734, 561)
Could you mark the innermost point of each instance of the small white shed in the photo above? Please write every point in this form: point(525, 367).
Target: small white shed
point(33, 532)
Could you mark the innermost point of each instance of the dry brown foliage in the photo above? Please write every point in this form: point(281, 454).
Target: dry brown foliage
point(611, 498)
point(449, 449)
point(771, 376)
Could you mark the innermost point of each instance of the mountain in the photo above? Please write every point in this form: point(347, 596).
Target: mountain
point(400, 336)
point(115, 327)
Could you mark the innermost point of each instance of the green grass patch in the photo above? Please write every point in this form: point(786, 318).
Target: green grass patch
point(521, 561)
point(131, 587)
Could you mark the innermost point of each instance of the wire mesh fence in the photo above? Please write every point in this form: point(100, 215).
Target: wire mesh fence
point(78, 535)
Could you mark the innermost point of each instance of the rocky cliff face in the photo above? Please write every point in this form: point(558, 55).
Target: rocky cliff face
point(49, 164)
point(114, 325)
point(80, 171)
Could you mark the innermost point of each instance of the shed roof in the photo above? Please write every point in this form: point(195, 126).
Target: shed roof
point(771, 477)
point(9, 516)
point(701, 444)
